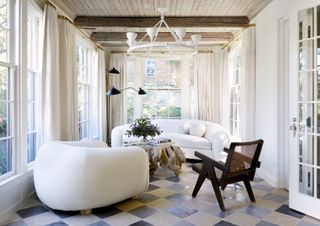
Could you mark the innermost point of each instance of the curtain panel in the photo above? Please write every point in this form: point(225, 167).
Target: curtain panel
point(248, 76)
point(50, 79)
point(59, 84)
point(224, 94)
point(68, 81)
point(101, 94)
point(204, 83)
point(116, 108)
point(97, 97)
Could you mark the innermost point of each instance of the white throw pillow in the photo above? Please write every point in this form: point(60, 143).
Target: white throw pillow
point(197, 129)
point(184, 128)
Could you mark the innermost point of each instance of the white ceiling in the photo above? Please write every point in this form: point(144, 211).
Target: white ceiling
point(175, 7)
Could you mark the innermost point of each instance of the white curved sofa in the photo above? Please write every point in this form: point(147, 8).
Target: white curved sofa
point(211, 143)
point(82, 176)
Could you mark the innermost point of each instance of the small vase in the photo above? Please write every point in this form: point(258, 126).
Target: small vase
point(144, 140)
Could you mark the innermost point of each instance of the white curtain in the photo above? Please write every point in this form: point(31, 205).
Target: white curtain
point(204, 72)
point(224, 89)
point(117, 102)
point(68, 81)
point(93, 94)
point(185, 89)
point(216, 85)
point(50, 79)
point(247, 72)
point(99, 115)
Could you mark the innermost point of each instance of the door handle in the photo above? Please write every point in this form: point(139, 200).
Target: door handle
point(293, 127)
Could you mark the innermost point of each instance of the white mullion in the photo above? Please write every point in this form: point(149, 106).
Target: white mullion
point(315, 93)
point(22, 103)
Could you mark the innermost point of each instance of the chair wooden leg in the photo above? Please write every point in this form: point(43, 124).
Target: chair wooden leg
point(215, 185)
point(201, 178)
point(249, 190)
point(218, 195)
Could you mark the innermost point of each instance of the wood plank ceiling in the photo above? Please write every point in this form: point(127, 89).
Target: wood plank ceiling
point(217, 21)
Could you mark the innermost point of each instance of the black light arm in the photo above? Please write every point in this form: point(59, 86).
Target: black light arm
point(114, 91)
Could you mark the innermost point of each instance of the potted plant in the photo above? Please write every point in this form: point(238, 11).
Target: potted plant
point(142, 127)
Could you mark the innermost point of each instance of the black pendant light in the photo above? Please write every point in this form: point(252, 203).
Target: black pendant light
point(114, 71)
point(141, 91)
point(113, 91)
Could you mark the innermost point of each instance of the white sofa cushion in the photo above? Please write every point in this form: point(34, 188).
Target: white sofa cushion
point(183, 140)
point(184, 128)
point(186, 140)
point(197, 129)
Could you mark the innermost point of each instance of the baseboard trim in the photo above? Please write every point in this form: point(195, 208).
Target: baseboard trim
point(14, 194)
point(6, 215)
point(267, 178)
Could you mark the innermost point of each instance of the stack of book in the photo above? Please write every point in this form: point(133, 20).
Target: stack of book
point(159, 141)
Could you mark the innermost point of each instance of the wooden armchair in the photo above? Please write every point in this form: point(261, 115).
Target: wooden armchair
point(240, 165)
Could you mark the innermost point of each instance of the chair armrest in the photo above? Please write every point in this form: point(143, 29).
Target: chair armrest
point(226, 150)
point(215, 163)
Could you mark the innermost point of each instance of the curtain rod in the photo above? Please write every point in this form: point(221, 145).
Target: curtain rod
point(50, 4)
point(237, 36)
point(66, 18)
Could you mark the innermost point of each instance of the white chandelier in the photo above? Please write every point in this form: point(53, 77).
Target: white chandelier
point(179, 47)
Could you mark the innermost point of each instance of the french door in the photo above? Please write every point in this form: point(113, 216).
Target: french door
point(304, 184)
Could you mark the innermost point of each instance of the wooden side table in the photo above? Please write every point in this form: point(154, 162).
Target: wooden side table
point(168, 155)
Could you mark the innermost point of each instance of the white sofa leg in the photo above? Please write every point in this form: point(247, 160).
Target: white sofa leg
point(86, 212)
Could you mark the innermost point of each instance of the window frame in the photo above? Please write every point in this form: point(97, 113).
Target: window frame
point(168, 89)
point(35, 12)
point(235, 84)
point(11, 43)
point(86, 84)
point(147, 73)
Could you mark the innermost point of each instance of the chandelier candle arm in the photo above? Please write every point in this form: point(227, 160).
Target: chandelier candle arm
point(176, 38)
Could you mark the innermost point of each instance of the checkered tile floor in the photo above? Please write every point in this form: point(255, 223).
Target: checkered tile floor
point(169, 202)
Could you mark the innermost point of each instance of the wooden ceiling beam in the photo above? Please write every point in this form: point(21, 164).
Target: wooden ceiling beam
point(212, 21)
point(162, 36)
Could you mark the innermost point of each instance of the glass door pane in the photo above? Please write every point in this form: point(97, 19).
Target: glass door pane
point(309, 104)
point(306, 24)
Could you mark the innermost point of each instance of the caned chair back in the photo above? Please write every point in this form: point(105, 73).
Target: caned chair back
point(243, 158)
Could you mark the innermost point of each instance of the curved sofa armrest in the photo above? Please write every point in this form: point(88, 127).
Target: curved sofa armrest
point(71, 177)
point(86, 143)
point(218, 137)
point(117, 135)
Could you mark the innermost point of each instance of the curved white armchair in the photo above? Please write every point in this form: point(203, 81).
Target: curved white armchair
point(77, 176)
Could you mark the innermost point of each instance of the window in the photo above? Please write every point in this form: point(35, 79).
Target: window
point(150, 68)
point(33, 56)
point(163, 99)
point(83, 91)
point(6, 93)
point(235, 87)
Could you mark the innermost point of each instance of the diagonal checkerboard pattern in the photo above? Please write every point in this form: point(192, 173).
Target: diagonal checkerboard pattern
point(169, 202)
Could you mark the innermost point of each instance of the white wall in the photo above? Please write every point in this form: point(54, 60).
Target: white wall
point(267, 85)
point(13, 193)
point(268, 78)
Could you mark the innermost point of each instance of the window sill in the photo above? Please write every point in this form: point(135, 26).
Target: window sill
point(15, 178)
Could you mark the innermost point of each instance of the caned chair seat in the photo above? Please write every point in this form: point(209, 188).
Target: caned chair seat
point(198, 166)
